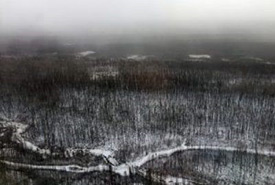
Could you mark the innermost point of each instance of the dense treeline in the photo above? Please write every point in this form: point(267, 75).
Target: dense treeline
point(43, 75)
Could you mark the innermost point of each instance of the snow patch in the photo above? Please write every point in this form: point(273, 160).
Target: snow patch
point(139, 57)
point(86, 53)
point(203, 56)
point(175, 180)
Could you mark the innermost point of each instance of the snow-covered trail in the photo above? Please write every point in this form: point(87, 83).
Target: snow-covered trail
point(134, 167)
point(124, 169)
point(65, 168)
point(167, 153)
point(19, 128)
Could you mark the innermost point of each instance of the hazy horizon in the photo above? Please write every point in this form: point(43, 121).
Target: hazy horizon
point(84, 19)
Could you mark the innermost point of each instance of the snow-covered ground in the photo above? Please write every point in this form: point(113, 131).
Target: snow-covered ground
point(85, 53)
point(139, 57)
point(201, 56)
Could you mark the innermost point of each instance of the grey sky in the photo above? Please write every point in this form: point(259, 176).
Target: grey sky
point(137, 16)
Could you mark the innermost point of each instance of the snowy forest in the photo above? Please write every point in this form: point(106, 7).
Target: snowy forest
point(137, 92)
point(68, 119)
